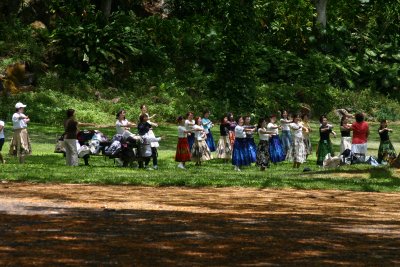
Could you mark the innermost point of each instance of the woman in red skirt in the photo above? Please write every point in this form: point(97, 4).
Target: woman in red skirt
point(182, 149)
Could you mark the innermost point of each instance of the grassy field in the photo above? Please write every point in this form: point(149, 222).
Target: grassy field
point(45, 166)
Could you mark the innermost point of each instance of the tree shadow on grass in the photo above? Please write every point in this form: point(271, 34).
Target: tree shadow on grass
point(75, 236)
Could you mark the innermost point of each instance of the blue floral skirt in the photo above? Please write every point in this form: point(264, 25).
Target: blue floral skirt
point(276, 153)
point(210, 142)
point(241, 155)
point(252, 147)
point(190, 139)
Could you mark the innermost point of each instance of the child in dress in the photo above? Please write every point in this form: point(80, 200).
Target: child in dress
point(297, 152)
point(345, 129)
point(324, 145)
point(251, 145)
point(224, 150)
point(182, 154)
point(189, 123)
point(200, 150)
point(207, 125)
point(306, 133)
point(386, 149)
point(286, 137)
point(276, 152)
point(263, 145)
point(241, 155)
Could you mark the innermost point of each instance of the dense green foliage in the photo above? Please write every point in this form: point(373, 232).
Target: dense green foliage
point(45, 166)
point(245, 56)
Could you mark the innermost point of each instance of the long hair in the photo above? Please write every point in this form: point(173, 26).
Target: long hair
point(179, 119)
point(70, 112)
point(322, 118)
point(260, 122)
point(119, 113)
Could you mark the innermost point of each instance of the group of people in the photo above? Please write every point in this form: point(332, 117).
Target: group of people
point(236, 143)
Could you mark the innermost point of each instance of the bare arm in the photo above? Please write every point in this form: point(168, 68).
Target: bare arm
point(84, 124)
point(263, 131)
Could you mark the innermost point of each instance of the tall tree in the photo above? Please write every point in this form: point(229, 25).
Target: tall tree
point(320, 6)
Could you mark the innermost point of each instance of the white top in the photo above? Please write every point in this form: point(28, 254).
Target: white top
point(2, 130)
point(285, 125)
point(181, 131)
point(188, 126)
point(263, 136)
point(120, 126)
point(239, 132)
point(207, 124)
point(297, 129)
point(18, 121)
point(270, 128)
point(198, 135)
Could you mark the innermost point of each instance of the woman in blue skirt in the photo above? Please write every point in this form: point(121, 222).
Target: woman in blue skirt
point(207, 125)
point(251, 145)
point(241, 156)
point(276, 152)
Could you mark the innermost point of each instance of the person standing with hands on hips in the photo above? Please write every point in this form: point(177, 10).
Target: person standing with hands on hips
point(20, 143)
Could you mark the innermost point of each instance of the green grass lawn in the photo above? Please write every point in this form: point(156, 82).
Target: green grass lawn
point(46, 166)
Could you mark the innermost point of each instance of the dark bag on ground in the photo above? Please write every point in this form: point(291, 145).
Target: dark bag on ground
point(114, 149)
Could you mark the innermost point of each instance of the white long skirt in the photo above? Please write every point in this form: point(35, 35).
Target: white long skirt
point(345, 144)
point(359, 148)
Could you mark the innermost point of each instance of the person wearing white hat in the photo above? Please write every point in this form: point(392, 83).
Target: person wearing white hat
point(20, 143)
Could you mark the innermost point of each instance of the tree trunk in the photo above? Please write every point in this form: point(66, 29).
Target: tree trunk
point(106, 7)
point(320, 5)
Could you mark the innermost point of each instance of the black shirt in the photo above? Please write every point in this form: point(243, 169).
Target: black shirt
point(345, 133)
point(71, 128)
point(384, 135)
point(224, 129)
point(324, 135)
point(144, 128)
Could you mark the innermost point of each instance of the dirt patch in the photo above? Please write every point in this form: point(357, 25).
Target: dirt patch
point(75, 225)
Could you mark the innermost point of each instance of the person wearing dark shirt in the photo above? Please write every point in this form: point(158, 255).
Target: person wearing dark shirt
point(345, 129)
point(145, 131)
point(324, 145)
point(224, 149)
point(386, 149)
point(70, 139)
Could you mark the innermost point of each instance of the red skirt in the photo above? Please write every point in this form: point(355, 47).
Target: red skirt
point(182, 150)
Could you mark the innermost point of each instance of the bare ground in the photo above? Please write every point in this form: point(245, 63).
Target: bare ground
point(76, 225)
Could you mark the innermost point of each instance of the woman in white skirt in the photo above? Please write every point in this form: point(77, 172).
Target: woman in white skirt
point(345, 129)
point(200, 150)
point(224, 149)
point(297, 152)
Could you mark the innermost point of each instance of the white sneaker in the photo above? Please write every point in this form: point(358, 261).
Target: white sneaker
point(119, 161)
point(181, 166)
point(155, 167)
point(237, 169)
